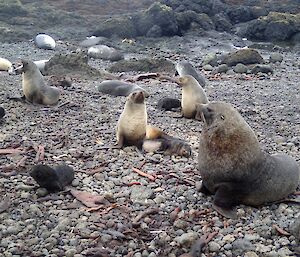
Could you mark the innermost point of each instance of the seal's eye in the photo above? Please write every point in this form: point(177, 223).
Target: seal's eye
point(222, 117)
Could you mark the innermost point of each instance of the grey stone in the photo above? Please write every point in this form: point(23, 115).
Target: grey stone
point(240, 68)
point(263, 68)
point(41, 192)
point(276, 57)
point(140, 194)
point(241, 245)
point(214, 247)
point(208, 67)
point(186, 239)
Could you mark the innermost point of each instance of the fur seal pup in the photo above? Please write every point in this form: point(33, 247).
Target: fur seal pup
point(119, 88)
point(2, 112)
point(131, 127)
point(192, 94)
point(233, 166)
point(185, 68)
point(157, 140)
point(44, 41)
point(105, 52)
point(5, 65)
point(168, 103)
point(53, 179)
point(34, 86)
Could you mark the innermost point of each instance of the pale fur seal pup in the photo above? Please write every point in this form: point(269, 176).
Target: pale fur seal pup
point(233, 166)
point(185, 68)
point(119, 88)
point(131, 127)
point(192, 94)
point(6, 65)
point(34, 86)
point(44, 41)
point(53, 179)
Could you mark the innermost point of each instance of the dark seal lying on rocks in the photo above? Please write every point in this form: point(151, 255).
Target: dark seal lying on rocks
point(233, 166)
point(119, 88)
point(168, 103)
point(53, 179)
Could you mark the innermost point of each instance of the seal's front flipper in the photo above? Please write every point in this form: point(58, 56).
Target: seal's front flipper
point(229, 213)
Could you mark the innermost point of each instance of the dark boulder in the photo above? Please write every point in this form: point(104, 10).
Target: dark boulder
point(244, 56)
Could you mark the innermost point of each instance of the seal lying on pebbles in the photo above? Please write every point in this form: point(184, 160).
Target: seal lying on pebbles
point(185, 68)
point(168, 103)
point(2, 112)
point(53, 179)
point(5, 65)
point(105, 52)
point(233, 166)
point(34, 86)
point(91, 41)
point(44, 41)
point(119, 88)
point(192, 94)
point(157, 140)
point(131, 127)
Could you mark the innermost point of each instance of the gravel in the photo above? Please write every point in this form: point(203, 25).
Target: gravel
point(40, 224)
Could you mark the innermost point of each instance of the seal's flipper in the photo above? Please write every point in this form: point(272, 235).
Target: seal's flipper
point(229, 213)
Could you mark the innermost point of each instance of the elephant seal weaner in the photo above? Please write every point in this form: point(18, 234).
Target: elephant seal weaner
point(185, 68)
point(34, 86)
point(233, 166)
point(44, 41)
point(131, 127)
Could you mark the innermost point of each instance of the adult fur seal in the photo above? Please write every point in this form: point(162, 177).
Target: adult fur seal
point(192, 94)
point(34, 86)
point(53, 179)
point(185, 68)
point(44, 41)
point(119, 88)
point(233, 166)
point(131, 127)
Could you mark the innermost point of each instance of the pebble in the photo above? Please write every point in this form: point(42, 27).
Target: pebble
point(240, 68)
point(41, 192)
point(276, 57)
point(186, 238)
point(208, 67)
point(214, 247)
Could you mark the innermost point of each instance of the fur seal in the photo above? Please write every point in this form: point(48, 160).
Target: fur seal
point(5, 65)
point(119, 88)
point(34, 86)
point(192, 94)
point(185, 68)
point(157, 140)
point(44, 41)
point(131, 127)
point(2, 112)
point(168, 103)
point(53, 179)
point(233, 166)
point(105, 52)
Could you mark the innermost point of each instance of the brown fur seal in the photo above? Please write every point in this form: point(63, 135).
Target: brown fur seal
point(185, 68)
point(233, 166)
point(34, 86)
point(192, 94)
point(53, 179)
point(131, 127)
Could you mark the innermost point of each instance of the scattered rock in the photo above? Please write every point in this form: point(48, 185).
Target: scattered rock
point(208, 67)
point(141, 194)
point(263, 68)
point(276, 57)
point(244, 56)
point(240, 68)
point(295, 229)
point(186, 239)
point(223, 68)
point(214, 247)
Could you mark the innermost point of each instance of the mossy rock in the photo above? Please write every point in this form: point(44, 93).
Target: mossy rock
point(144, 65)
point(11, 8)
point(121, 26)
point(244, 56)
point(273, 27)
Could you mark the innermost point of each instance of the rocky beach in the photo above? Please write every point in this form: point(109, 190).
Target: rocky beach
point(120, 203)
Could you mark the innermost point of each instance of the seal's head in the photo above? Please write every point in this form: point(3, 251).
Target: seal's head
point(26, 66)
point(187, 80)
point(137, 97)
